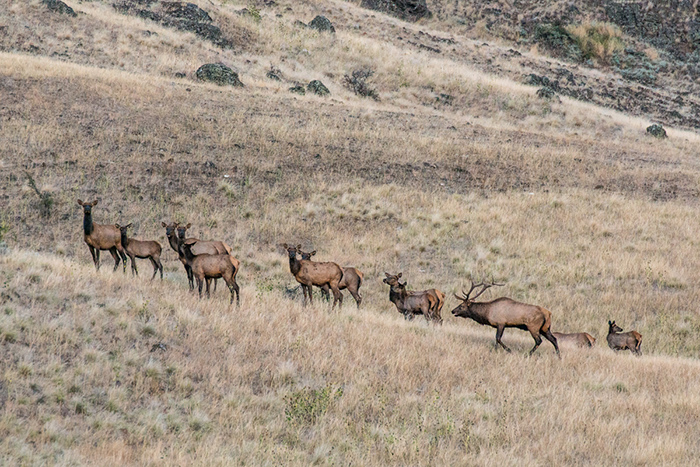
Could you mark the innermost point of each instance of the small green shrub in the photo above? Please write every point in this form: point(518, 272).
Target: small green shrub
point(306, 406)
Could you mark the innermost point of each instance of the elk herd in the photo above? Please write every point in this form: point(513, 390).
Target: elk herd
point(207, 260)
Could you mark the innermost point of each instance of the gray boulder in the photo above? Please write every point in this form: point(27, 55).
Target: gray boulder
point(317, 87)
point(657, 131)
point(219, 74)
point(58, 6)
point(321, 23)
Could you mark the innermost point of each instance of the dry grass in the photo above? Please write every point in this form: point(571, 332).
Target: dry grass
point(571, 205)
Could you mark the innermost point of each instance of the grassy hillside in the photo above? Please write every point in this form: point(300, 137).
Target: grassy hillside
point(458, 171)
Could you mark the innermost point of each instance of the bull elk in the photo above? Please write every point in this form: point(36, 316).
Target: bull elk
point(576, 339)
point(504, 313)
point(206, 267)
point(309, 273)
point(352, 280)
point(177, 234)
point(101, 237)
point(618, 340)
point(141, 249)
point(428, 303)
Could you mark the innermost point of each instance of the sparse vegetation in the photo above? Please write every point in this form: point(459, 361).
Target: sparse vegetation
point(597, 41)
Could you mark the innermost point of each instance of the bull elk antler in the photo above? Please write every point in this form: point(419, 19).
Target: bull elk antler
point(484, 286)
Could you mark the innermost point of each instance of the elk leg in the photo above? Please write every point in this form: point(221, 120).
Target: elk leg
point(200, 282)
point(208, 279)
point(117, 259)
point(499, 334)
point(155, 267)
point(325, 293)
point(123, 256)
point(309, 290)
point(160, 267)
point(190, 276)
point(238, 293)
point(550, 337)
point(538, 341)
point(356, 296)
point(134, 269)
point(337, 297)
point(95, 259)
point(215, 281)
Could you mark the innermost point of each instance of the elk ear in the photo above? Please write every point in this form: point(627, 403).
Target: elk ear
point(80, 202)
point(128, 225)
point(387, 274)
point(299, 246)
point(94, 203)
point(399, 274)
point(118, 226)
point(312, 253)
point(285, 246)
point(163, 224)
point(610, 323)
point(188, 226)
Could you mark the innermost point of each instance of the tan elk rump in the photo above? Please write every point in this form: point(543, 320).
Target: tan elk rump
point(576, 339)
point(411, 303)
point(352, 280)
point(141, 249)
point(309, 273)
point(206, 267)
point(618, 340)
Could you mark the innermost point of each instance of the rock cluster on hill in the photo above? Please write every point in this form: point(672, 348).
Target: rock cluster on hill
point(219, 74)
point(59, 7)
point(409, 10)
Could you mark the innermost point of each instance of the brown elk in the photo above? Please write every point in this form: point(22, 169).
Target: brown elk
point(576, 339)
point(101, 237)
point(618, 340)
point(141, 249)
point(206, 267)
point(410, 303)
point(309, 273)
point(504, 313)
point(352, 280)
point(176, 234)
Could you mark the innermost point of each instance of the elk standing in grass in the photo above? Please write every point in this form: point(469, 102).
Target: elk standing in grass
point(141, 249)
point(410, 303)
point(309, 273)
point(618, 340)
point(101, 237)
point(206, 267)
point(506, 313)
point(352, 280)
point(176, 234)
point(576, 339)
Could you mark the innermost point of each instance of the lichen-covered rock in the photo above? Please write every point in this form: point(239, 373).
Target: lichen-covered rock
point(657, 131)
point(410, 10)
point(219, 74)
point(298, 89)
point(274, 73)
point(321, 23)
point(58, 6)
point(546, 93)
point(317, 87)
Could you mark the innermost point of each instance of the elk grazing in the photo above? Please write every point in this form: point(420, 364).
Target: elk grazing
point(141, 249)
point(410, 303)
point(506, 313)
point(618, 340)
point(576, 339)
point(206, 267)
point(309, 273)
point(352, 280)
point(176, 234)
point(101, 237)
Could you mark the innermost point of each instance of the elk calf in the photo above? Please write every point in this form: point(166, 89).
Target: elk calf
point(410, 303)
point(577, 339)
point(618, 340)
point(101, 237)
point(309, 273)
point(206, 267)
point(141, 249)
point(506, 313)
point(352, 280)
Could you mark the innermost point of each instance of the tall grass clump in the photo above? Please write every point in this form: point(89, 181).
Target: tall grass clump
point(597, 41)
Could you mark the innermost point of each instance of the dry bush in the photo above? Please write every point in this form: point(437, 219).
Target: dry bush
point(598, 41)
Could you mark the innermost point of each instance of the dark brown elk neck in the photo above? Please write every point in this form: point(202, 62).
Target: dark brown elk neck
point(124, 239)
point(88, 227)
point(396, 294)
point(479, 312)
point(294, 265)
point(174, 244)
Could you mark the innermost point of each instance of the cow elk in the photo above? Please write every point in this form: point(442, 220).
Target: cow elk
point(177, 234)
point(576, 339)
point(101, 237)
point(618, 340)
point(410, 303)
point(206, 267)
point(141, 249)
point(504, 313)
point(352, 280)
point(309, 273)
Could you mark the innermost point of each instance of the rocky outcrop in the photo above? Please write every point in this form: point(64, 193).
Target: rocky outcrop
point(317, 88)
point(321, 23)
point(58, 6)
point(409, 10)
point(657, 131)
point(219, 74)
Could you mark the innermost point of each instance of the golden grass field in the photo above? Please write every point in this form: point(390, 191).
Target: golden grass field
point(573, 206)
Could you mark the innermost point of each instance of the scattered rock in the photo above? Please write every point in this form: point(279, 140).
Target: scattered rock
point(321, 23)
point(298, 88)
point(546, 93)
point(446, 99)
point(317, 87)
point(657, 131)
point(274, 73)
point(186, 11)
point(58, 6)
point(180, 75)
point(409, 10)
point(219, 74)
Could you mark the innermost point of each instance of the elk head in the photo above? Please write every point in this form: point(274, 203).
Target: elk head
point(123, 228)
point(87, 207)
point(614, 327)
point(182, 230)
point(170, 229)
point(393, 281)
point(305, 255)
point(463, 309)
point(292, 250)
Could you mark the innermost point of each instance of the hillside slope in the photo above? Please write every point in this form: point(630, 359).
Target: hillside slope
point(458, 171)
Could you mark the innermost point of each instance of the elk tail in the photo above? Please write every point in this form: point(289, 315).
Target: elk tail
point(639, 342)
point(591, 340)
point(547, 320)
point(359, 274)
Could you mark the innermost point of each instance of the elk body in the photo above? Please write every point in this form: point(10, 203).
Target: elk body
point(177, 234)
point(352, 280)
point(141, 249)
point(309, 273)
point(576, 339)
point(206, 267)
point(618, 340)
point(506, 313)
point(101, 237)
point(410, 303)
